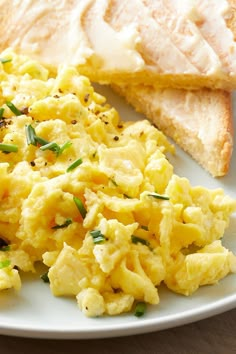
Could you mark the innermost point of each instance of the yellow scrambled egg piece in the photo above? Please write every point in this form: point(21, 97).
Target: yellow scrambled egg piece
point(95, 198)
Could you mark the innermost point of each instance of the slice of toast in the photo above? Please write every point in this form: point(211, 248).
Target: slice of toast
point(164, 43)
point(199, 121)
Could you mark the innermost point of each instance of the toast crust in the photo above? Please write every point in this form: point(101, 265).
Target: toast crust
point(205, 130)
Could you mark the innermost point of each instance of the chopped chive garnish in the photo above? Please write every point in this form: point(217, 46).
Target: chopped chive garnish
point(74, 165)
point(41, 141)
point(30, 135)
point(65, 146)
point(80, 206)
point(4, 264)
point(1, 112)
point(158, 196)
point(33, 139)
point(5, 60)
point(8, 147)
point(5, 248)
point(65, 224)
point(45, 277)
point(97, 236)
point(140, 309)
point(136, 239)
point(144, 227)
point(51, 146)
point(13, 108)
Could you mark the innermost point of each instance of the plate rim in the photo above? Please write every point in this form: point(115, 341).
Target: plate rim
point(117, 330)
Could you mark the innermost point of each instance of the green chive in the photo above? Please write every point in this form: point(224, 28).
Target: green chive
point(65, 224)
point(41, 141)
point(5, 264)
point(33, 139)
point(74, 165)
point(136, 239)
point(5, 248)
point(158, 196)
point(8, 148)
point(1, 112)
point(65, 146)
point(97, 236)
point(13, 108)
point(45, 277)
point(30, 135)
point(52, 146)
point(4, 61)
point(140, 309)
point(80, 206)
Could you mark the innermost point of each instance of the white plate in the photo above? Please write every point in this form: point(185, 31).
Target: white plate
point(34, 312)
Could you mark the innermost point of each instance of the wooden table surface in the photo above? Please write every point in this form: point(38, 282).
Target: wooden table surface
point(214, 335)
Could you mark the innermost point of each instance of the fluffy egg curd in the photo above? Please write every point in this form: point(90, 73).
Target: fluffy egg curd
point(95, 198)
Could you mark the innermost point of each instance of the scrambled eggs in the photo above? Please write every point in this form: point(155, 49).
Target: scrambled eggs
point(95, 199)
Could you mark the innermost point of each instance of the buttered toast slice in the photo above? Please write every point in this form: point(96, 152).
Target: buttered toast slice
point(164, 43)
point(199, 121)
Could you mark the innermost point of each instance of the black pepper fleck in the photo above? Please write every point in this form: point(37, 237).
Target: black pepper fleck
point(116, 138)
point(32, 163)
point(3, 243)
point(2, 123)
point(86, 97)
point(116, 290)
point(25, 110)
